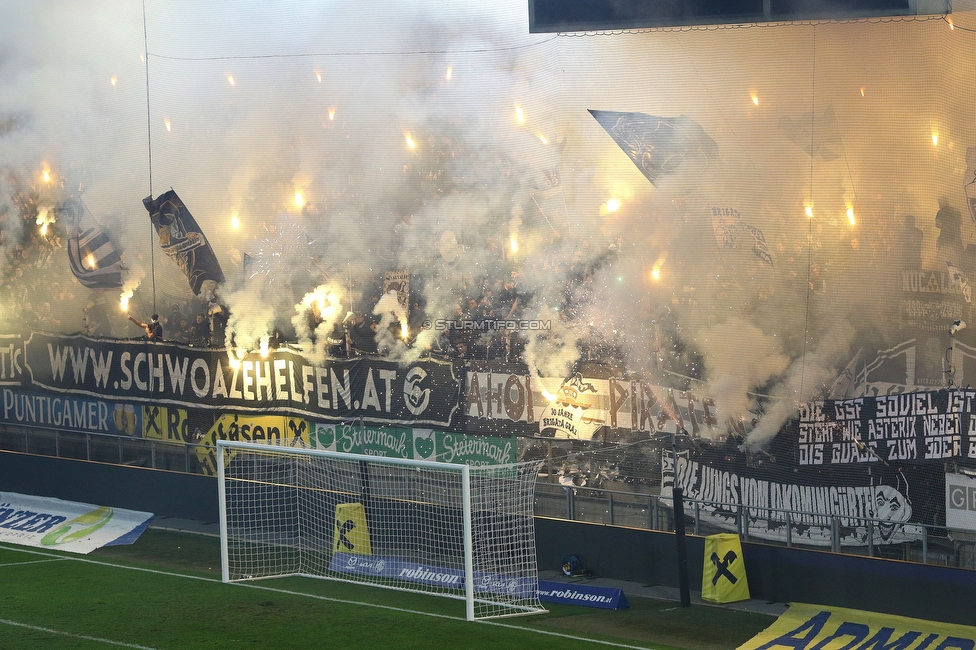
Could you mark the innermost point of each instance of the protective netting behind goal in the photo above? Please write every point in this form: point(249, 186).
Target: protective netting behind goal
point(387, 522)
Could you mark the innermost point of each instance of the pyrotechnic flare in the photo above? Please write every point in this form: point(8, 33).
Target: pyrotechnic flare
point(390, 311)
point(656, 271)
point(316, 314)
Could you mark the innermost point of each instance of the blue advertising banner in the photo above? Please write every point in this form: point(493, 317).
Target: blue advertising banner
point(584, 595)
point(395, 568)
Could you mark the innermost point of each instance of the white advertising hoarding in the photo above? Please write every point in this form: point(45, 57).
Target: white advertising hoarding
point(960, 502)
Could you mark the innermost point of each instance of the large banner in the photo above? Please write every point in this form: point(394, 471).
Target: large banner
point(579, 408)
point(79, 383)
point(909, 427)
point(425, 392)
point(930, 299)
point(818, 510)
point(806, 627)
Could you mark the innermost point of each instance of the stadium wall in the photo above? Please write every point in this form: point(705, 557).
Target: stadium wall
point(775, 573)
point(166, 494)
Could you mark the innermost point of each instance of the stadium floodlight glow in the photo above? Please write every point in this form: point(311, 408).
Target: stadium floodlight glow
point(443, 529)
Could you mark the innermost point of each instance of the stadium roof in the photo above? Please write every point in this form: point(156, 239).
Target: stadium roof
point(602, 15)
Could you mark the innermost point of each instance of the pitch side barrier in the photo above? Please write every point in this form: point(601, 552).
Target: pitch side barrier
point(852, 534)
point(776, 573)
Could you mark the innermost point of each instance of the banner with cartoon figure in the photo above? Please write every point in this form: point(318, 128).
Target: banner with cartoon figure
point(870, 511)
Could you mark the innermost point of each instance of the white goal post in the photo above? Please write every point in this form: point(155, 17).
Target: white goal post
point(435, 528)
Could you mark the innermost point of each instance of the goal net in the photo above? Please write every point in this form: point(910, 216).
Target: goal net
point(434, 528)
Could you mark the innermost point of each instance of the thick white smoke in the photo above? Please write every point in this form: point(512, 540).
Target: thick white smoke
point(321, 145)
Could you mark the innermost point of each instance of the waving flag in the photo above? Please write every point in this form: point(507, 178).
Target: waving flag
point(845, 386)
point(818, 135)
point(759, 246)
point(92, 256)
point(727, 225)
point(659, 145)
point(182, 240)
point(959, 278)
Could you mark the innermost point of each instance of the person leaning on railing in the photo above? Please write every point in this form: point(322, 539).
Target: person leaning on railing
point(154, 329)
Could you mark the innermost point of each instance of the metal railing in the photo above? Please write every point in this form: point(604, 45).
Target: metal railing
point(640, 508)
point(910, 541)
point(102, 447)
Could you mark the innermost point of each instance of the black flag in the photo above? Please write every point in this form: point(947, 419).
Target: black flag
point(92, 256)
point(181, 238)
point(818, 135)
point(759, 246)
point(659, 145)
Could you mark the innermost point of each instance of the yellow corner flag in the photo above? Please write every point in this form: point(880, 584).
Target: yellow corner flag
point(724, 575)
point(351, 533)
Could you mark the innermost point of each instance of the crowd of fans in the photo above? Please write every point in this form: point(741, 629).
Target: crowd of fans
point(467, 332)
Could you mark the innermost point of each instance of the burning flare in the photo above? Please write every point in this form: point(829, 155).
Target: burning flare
point(656, 270)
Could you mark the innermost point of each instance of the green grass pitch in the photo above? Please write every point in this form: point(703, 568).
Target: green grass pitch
point(164, 591)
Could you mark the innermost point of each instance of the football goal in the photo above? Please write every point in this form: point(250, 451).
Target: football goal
point(434, 528)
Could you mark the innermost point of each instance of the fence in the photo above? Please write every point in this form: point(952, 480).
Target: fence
point(641, 507)
point(934, 545)
point(103, 448)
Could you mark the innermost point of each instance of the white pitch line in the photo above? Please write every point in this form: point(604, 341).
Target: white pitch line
point(329, 599)
point(85, 637)
point(31, 562)
point(567, 636)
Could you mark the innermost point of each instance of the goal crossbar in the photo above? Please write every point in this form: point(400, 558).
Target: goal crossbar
point(421, 526)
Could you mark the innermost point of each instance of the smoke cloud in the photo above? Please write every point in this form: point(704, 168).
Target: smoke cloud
point(319, 146)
